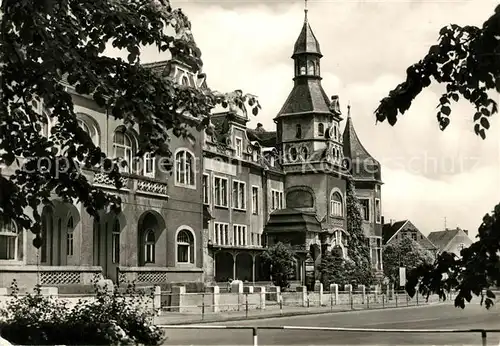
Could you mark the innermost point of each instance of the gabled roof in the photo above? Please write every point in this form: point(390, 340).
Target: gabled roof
point(389, 230)
point(363, 166)
point(306, 42)
point(442, 238)
point(307, 96)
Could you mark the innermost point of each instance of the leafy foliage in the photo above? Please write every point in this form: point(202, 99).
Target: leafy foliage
point(359, 248)
point(48, 46)
point(466, 60)
point(336, 270)
point(112, 318)
point(404, 252)
point(280, 259)
point(473, 273)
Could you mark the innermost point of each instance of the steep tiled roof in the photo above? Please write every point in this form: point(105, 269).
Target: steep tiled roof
point(389, 230)
point(363, 165)
point(306, 96)
point(306, 42)
point(442, 238)
point(292, 220)
point(265, 138)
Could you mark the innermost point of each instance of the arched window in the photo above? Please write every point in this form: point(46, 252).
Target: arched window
point(321, 129)
point(293, 154)
point(339, 242)
point(69, 237)
point(310, 67)
point(185, 247)
point(185, 81)
point(336, 208)
point(122, 148)
point(90, 129)
point(298, 131)
point(115, 242)
point(302, 70)
point(149, 246)
point(8, 241)
point(184, 168)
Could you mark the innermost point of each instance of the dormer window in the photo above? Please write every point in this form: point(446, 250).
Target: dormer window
point(321, 129)
point(239, 147)
point(298, 131)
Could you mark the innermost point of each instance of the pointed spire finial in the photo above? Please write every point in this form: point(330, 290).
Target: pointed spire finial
point(305, 10)
point(348, 108)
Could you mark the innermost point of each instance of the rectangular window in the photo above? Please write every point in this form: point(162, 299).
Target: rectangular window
point(115, 243)
point(69, 244)
point(220, 192)
point(239, 195)
point(239, 235)
point(378, 211)
point(414, 236)
point(221, 233)
point(206, 189)
point(365, 208)
point(239, 146)
point(149, 165)
point(276, 199)
point(8, 247)
point(255, 200)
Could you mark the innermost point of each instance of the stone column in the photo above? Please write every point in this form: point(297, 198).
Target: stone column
point(303, 296)
point(261, 290)
point(177, 301)
point(334, 290)
point(318, 288)
point(156, 297)
point(363, 293)
point(214, 291)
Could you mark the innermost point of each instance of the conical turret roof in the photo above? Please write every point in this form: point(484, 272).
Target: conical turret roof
point(362, 165)
point(306, 42)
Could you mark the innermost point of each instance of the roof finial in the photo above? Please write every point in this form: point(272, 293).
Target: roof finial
point(349, 109)
point(305, 11)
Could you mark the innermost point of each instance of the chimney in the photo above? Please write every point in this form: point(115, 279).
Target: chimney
point(259, 127)
point(392, 222)
point(383, 220)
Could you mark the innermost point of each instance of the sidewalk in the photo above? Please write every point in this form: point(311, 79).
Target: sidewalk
point(273, 311)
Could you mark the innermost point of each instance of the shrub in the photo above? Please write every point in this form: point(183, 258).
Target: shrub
point(280, 260)
point(116, 318)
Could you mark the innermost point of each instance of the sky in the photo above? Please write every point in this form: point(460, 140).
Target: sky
point(428, 174)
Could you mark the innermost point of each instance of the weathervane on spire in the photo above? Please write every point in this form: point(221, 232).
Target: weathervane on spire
point(305, 10)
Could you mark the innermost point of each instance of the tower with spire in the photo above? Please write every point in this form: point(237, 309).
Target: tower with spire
point(316, 161)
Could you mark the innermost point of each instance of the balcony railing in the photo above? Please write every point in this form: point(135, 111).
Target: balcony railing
point(137, 184)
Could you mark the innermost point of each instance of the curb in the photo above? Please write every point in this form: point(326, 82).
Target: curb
point(293, 314)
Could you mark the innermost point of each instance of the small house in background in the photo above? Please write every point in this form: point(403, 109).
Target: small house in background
point(451, 240)
point(397, 230)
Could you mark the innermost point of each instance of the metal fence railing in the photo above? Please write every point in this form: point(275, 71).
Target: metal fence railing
point(482, 332)
point(205, 305)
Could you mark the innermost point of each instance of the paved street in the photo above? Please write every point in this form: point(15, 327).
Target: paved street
point(443, 316)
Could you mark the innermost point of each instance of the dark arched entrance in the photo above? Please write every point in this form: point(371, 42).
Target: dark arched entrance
point(244, 267)
point(223, 266)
